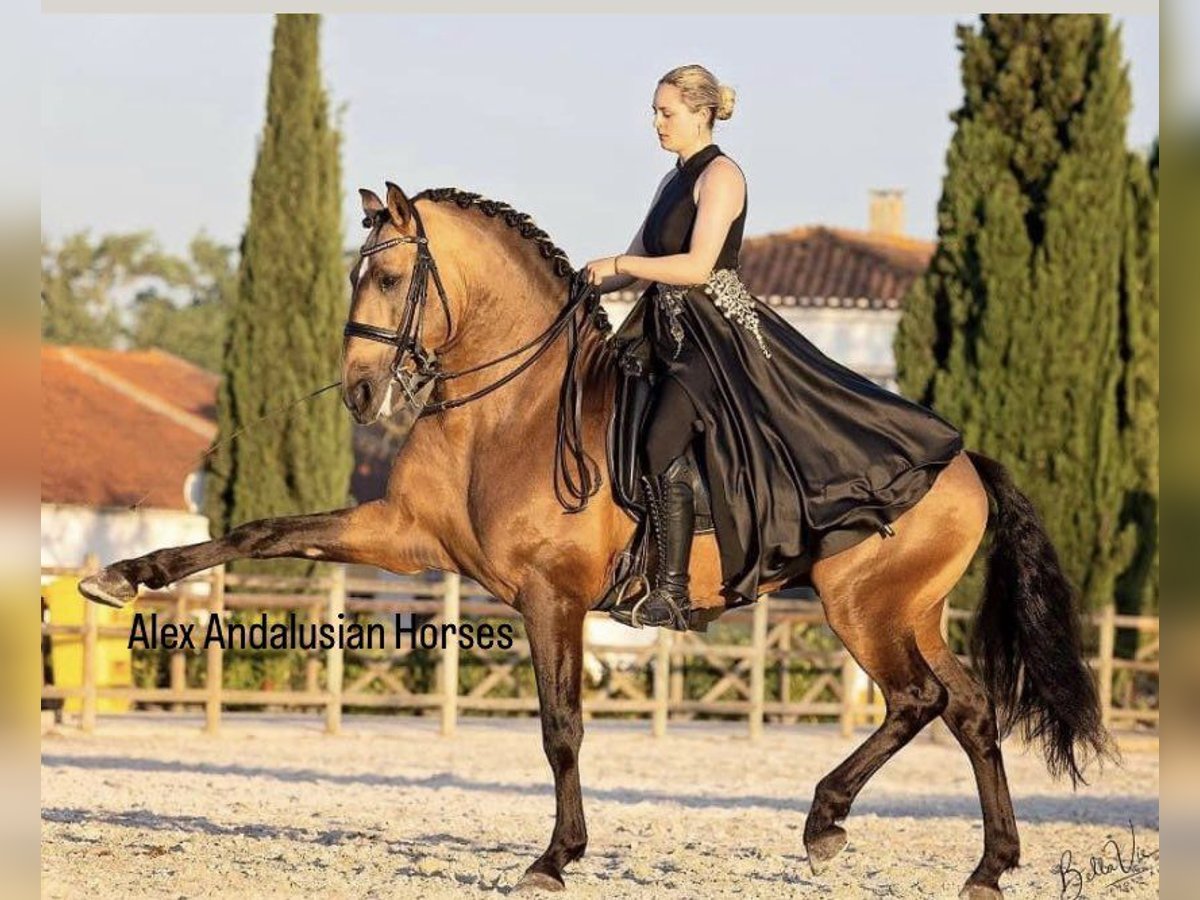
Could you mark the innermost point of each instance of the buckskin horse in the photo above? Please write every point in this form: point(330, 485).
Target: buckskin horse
point(475, 490)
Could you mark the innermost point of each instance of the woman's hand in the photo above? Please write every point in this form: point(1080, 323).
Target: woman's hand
point(600, 269)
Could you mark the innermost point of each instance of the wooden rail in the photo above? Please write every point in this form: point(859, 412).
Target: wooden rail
point(774, 662)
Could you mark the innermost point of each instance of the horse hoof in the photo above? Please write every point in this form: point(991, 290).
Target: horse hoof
point(108, 587)
point(539, 881)
point(825, 847)
point(979, 892)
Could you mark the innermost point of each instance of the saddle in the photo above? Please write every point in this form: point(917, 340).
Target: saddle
point(636, 381)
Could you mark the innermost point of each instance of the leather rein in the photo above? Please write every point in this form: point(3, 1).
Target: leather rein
point(568, 446)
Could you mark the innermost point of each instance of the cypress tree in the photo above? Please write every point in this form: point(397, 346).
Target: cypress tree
point(1013, 332)
point(1137, 588)
point(284, 332)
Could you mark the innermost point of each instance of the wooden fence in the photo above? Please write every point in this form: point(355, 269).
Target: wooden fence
point(775, 661)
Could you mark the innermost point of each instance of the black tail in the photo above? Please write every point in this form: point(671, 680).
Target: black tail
point(1025, 640)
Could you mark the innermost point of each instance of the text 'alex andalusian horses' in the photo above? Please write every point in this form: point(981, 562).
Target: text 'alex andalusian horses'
point(476, 490)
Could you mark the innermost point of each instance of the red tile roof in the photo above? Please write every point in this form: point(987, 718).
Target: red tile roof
point(821, 266)
point(818, 266)
point(175, 380)
point(119, 426)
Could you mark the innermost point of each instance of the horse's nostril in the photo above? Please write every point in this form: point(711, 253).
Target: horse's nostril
point(362, 396)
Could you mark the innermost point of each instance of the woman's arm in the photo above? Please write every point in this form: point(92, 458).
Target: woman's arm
point(722, 192)
point(621, 282)
point(636, 248)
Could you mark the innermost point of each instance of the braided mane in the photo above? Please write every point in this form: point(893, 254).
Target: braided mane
point(523, 222)
point(525, 226)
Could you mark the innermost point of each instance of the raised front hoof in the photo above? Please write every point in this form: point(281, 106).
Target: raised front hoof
point(108, 587)
point(538, 881)
point(980, 892)
point(825, 847)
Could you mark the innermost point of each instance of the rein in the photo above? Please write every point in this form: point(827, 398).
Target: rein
point(573, 466)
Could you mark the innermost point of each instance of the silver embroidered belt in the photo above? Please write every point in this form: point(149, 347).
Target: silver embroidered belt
point(727, 293)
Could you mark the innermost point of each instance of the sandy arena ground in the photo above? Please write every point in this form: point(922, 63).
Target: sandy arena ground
point(151, 807)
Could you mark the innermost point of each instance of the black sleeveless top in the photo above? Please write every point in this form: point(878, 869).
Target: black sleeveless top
point(669, 224)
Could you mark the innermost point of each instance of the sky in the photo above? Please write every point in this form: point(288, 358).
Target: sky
point(151, 122)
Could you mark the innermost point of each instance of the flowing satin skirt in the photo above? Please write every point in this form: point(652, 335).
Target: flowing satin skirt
point(802, 456)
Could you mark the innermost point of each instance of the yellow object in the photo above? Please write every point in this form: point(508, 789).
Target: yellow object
point(114, 660)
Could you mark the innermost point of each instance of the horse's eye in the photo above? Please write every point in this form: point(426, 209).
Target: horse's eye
point(387, 282)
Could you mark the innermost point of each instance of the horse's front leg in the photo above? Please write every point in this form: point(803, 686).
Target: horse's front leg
point(375, 534)
point(555, 630)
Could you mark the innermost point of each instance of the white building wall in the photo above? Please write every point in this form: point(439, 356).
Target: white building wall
point(70, 533)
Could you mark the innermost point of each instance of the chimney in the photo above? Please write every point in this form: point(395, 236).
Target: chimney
point(886, 211)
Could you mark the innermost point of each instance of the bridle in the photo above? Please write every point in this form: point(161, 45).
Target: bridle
point(407, 337)
point(426, 367)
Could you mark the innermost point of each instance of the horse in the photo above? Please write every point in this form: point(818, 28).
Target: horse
point(475, 490)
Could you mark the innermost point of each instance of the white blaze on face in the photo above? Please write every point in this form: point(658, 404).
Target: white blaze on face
point(385, 408)
point(363, 265)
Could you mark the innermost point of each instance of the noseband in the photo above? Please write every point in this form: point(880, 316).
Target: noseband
point(426, 367)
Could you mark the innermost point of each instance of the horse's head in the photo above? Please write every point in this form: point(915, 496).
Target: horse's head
point(399, 312)
point(401, 319)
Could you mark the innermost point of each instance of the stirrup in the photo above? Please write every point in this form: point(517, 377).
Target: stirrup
point(624, 588)
point(677, 616)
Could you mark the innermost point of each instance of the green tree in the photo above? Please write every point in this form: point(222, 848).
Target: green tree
point(284, 329)
point(195, 328)
point(1014, 331)
point(82, 280)
point(1137, 588)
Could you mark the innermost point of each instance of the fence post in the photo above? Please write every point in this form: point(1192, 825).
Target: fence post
point(1108, 640)
point(87, 715)
point(451, 611)
point(758, 671)
point(662, 680)
point(785, 672)
point(178, 660)
point(215, 674)
point(849, 698)
point(677, 684)
point(312, 662)
point(335, 660)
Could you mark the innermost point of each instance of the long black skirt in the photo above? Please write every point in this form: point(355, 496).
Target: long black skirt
point(802, 456)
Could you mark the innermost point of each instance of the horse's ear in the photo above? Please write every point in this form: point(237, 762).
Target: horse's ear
point(398, 206)
point(371, 203)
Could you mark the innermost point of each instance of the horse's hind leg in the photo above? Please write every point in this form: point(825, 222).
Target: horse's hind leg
point(971, 717)
point(555, 631)
point(914, 698)
point(374, 534)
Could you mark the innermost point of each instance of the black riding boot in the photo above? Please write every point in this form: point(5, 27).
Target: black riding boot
point(672, 510)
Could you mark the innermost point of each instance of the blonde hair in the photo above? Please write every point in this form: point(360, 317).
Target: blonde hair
point(700, 89)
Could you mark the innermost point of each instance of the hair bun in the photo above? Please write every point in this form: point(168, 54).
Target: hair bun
point(700, 89)
point(725, 104)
